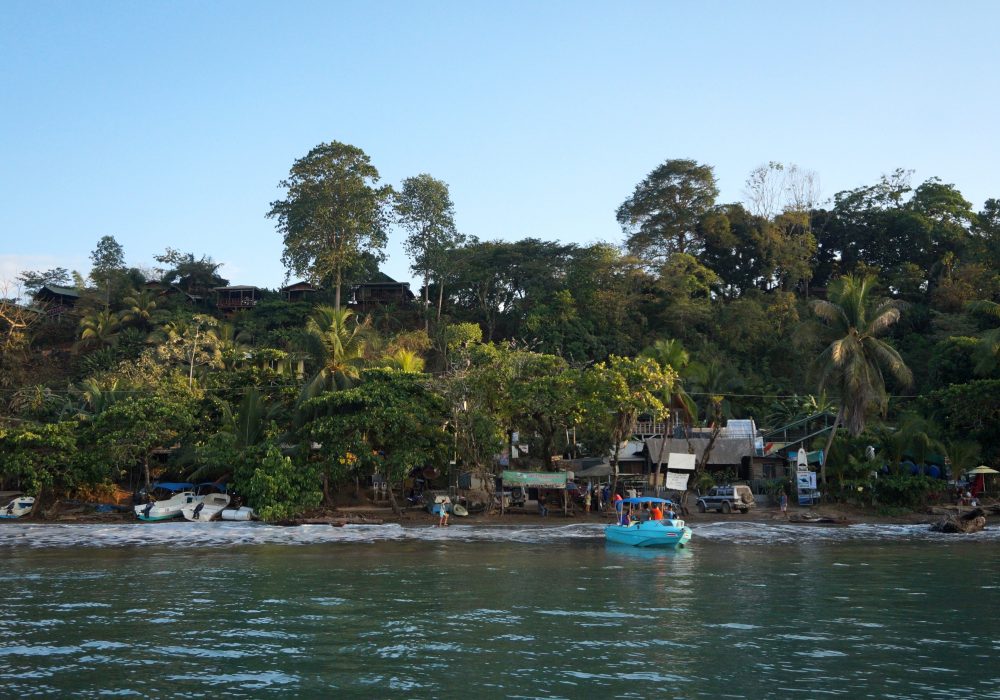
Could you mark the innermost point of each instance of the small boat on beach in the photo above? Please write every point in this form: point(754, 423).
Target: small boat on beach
point(17, 508)
point(647, 533)
point(178, 496)
point(207, 510)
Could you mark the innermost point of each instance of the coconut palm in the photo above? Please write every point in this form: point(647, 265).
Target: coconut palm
point(852, 365)
point(99, 328)
point(140, 310)
point(670, 353)
point(405, 361)
point(338, 342)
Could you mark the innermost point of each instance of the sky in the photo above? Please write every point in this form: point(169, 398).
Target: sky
point(172, 123)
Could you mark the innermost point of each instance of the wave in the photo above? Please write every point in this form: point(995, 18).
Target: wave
point(184, 534)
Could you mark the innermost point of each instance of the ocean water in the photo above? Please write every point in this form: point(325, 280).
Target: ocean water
point(746, 611)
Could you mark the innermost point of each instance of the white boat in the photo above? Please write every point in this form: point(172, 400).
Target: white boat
point(209, 508)
point(170, 508)
point(20, 506)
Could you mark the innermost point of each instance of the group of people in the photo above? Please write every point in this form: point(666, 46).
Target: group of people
point(646, 511)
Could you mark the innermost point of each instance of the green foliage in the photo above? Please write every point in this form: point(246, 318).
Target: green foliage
point(40, 456)
point(275, 487)
point(903, 490)
point(333, 214)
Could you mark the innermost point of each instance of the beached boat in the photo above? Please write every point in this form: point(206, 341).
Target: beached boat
point(168, 508)
point(20, 506)
point(207, 510)
point(648, 533)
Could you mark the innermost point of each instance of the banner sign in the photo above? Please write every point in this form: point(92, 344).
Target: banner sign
point(545, 480)
point(679, 461)
point(676, 482)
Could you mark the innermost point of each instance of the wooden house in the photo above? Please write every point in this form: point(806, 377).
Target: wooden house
point(236, 298)
point(300, 291)
point(381, 291)
point(56, 300)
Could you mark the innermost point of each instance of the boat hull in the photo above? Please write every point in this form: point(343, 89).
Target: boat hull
point(206, 511)
point(17, 508)
point(168, 509)
point(652, 533)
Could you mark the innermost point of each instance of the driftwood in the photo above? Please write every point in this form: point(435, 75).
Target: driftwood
point(973, 521)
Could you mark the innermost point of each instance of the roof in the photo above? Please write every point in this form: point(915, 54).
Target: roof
point(296, 286)
point(724, 451)
point(237, 288)
point(61, 291)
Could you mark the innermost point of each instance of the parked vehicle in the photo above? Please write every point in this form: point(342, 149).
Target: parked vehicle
point(726, 499)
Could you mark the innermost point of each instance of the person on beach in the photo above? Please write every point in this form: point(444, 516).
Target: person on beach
point(656, 513)
point(783, 501)
point(586, 502)
point(443, 513)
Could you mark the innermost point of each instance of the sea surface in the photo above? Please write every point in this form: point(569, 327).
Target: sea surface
point(748, 610)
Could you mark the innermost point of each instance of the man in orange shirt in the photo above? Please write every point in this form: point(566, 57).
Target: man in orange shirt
point(656, 513)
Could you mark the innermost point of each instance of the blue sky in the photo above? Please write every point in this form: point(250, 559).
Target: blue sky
point(171, 123)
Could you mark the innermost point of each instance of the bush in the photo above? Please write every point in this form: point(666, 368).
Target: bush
point(906, 491)
point(276, 488)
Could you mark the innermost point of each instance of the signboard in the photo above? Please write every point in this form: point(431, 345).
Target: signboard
point(802, 460)
point(677, 482)
point(545, 480)
point(678, 461)
point(806, 480)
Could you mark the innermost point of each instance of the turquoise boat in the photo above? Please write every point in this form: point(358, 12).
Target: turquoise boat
point(648, 533)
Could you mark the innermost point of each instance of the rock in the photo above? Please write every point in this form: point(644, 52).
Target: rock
point(973, 521)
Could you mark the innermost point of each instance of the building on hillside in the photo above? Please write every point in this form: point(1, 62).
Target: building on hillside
point(56, 300)
point(382, 290)
point(160, 289)
point(299, 291)
point(236, 298)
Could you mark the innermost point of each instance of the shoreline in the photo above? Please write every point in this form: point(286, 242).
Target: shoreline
point(832, 515)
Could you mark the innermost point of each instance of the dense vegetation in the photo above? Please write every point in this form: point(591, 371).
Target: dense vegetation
point(879, 306)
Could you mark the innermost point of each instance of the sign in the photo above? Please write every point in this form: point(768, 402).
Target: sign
point(679, 461)
point(806, 480)
point(677, 482)
point(802, 460)
point(545, 480)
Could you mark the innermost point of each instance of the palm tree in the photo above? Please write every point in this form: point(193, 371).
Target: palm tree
point(405, 361)
point(339, 343)
point(233, 347)
point(192, 341)
point(852, 365)
point(140, 310)
point(99, 328)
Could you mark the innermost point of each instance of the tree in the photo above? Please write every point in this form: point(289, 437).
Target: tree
point(332, 214)
point(191, 341)
point(618, 392)
point(107, 266)
point(852, 364)
point(198, 277)
point(33, 280)
point(140, 310)
point(389, 423)
point(337, 340)
point(661, 216)
point(99, 328)
point(131, 429)
point(424, 208)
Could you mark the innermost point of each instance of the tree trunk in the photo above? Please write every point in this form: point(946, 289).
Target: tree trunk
point(427, 303)
point(145, 467)
point(336, 298)
point(440, 299)
point(392, 497)
point(829, 444)
point(326, 490)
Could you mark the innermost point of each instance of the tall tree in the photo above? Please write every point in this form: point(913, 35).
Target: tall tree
point(852, 364)
point(333, 213)
point(661, 216)
point(107, 266)
point(194, 276)
point(424, 208)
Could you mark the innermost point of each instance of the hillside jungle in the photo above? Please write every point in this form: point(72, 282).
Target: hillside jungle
point(877, 305)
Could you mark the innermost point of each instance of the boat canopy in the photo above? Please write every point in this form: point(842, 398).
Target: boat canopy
point(173, 485)
point(643, 499)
